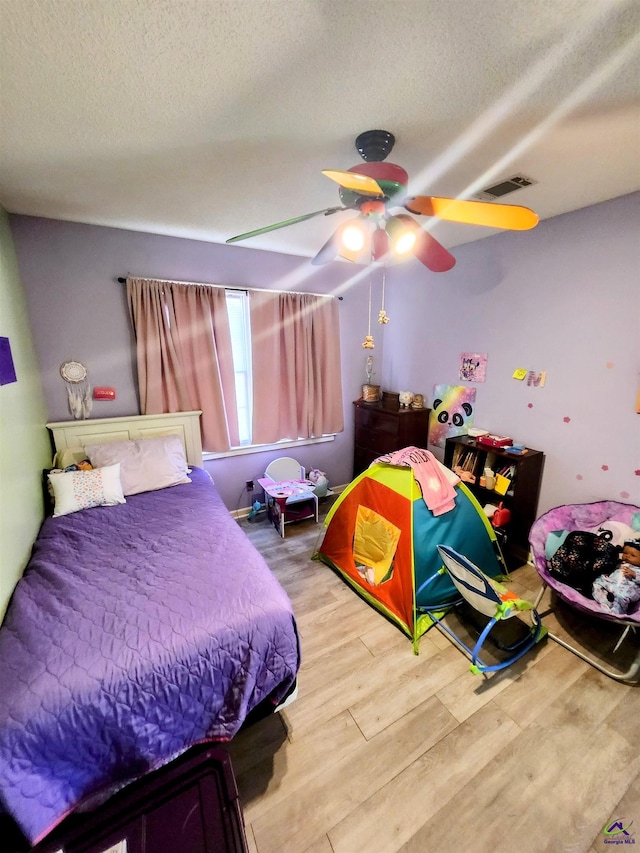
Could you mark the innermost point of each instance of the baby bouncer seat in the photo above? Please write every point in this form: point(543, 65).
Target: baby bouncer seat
point(494, 602)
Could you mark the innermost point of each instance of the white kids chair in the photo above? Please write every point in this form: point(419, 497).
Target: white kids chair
point(291, 502)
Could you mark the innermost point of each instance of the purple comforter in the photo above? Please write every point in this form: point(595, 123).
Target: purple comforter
point(136, 631)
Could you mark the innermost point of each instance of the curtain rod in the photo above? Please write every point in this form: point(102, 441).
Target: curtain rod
point(123, 280)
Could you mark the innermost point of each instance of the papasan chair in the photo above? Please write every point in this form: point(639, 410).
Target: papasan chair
point(546, 532)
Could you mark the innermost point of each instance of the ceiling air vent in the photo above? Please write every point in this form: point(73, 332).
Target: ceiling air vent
point(509, 185)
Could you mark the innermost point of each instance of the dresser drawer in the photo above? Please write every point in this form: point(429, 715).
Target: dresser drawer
point(374, 441)
point(375, 419)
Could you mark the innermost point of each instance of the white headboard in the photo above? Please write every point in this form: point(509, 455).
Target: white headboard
point(72, 435)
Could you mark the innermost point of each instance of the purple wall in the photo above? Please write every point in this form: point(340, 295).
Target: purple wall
point(563, 298)
point(78, 310)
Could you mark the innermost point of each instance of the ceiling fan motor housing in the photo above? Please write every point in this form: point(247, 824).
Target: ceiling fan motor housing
point(392, 180)
point(375, 145)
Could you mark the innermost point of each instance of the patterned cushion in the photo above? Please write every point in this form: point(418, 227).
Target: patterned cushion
point(76, 490)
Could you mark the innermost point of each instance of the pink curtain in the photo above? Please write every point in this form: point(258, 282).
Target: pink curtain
point(297, 386)
point(183, 348)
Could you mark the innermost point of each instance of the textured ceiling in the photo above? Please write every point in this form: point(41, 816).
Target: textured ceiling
point(208, 118)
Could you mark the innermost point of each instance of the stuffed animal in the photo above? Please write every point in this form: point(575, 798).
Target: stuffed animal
point(406, 398)
point(615, 532)
point(320, 482)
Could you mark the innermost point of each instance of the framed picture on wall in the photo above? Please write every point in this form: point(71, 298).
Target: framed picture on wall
point(452, 412)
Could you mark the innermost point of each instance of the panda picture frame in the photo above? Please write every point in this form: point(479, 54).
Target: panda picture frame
point(451, 413)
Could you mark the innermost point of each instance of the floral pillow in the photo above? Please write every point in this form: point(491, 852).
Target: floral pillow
point(76, 490)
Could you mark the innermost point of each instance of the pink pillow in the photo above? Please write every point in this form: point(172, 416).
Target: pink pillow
point(146, 464)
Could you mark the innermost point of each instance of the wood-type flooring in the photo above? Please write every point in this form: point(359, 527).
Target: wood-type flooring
point(386, 751)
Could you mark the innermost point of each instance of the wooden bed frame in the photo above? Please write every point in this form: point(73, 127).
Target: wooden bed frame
point(72, 436)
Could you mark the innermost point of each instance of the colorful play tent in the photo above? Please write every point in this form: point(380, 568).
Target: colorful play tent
point(382, 538)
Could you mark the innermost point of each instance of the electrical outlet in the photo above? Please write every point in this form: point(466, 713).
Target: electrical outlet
point(249, 485)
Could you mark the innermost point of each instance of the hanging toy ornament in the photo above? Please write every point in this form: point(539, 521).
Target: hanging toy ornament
point(383, 319)
point(368, 341)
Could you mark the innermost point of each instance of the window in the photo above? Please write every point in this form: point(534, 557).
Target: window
point(239, 326)
point(263, 366)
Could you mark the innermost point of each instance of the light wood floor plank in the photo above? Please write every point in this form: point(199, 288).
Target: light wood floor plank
point(295, 764)
point(411, 685)
point(468, 693)
point(350, 687)
point(530, 696)
point(322, 845)
point(384, 636)
point(624, 811)
point(393, 814)
point(546, 803)
point(251, 842)
point(336, 663)
point(336, 792)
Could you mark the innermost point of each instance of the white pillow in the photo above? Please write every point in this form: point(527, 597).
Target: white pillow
point(75, 490)
point(146, 464)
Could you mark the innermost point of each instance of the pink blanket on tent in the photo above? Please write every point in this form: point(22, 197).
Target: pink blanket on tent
point(437, 489)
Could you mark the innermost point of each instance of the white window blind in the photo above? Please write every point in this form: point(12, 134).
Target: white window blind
point(238, 311)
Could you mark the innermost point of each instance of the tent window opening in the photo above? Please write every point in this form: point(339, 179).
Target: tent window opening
point(374, 546)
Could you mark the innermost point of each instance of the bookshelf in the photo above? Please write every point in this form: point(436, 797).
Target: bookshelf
point(517, 487)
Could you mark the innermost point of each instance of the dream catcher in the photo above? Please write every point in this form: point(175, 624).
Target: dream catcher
point(75, 376)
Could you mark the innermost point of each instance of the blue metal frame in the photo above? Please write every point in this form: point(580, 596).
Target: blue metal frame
point(521, 647)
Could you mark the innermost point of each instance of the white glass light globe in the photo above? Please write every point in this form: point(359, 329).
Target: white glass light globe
point(353, 238)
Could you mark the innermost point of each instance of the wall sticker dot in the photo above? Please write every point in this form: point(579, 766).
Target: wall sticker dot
point(578, 476)
point(609, 364)
point(529, 405)
point(605, 467)
point(625, 495)
point(637, 472)
point(566, 419)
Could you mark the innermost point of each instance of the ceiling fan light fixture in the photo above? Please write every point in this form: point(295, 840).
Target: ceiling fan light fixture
point(403, 234)
point(353, 236)
point(404, 243)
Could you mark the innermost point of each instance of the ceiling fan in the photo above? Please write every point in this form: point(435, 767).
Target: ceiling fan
point(376, 189)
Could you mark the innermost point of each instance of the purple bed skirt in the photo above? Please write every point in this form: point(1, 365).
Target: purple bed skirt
point(137, 631)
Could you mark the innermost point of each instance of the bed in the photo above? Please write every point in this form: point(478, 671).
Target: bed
point(138, 630)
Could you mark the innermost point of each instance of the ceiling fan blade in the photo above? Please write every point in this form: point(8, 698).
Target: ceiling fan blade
point(327, 211)
point(508, 216)
point(433, 254)
point(379, 244)
point(353, 181)
point(328, 252)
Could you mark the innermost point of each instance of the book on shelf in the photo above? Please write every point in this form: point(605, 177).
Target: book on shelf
point(464, 463)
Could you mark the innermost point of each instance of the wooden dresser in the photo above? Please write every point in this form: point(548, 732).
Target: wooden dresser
point(379, 430)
